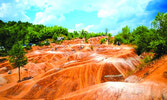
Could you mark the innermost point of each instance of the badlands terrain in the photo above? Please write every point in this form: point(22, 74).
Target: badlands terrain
point(76, 70)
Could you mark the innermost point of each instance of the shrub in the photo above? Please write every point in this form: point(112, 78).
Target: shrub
point(28, 47)
point(91, 47)
point(102, 41)
point(54, 37)
point(47, 42)
point(40, 44)
point(119, 38)
point(86, 40)
point(147, 59)
point(159, 47)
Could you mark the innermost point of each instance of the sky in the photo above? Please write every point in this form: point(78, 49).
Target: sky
point(90, 15)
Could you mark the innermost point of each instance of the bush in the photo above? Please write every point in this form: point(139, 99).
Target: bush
point(119, 38)
point(102, 41)
point(28, 47)
point(147, 59)
point(54, 37)
point(111, 41)
point(86, 40)
point(159, 47)
point(40, 44)
point(91, 47)
point(57, 41)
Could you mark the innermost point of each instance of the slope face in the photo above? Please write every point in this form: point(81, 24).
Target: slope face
point(141, 86)
point(64, 69)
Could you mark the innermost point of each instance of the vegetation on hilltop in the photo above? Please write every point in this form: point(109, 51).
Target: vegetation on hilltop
point(154, 39)
point(12, 32)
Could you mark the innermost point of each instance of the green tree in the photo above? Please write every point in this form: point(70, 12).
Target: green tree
point(106, 30)
point(160, 23)
point(54, 36)
point(109, 38)
point(124, 36)
point(17, 57)
point(76, 34)
point(69, 36)
point(159, 47)
point(102, 40)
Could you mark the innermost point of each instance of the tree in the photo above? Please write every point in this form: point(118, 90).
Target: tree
point(106, 30)
point(54, 36)
point(160, 23)
point(17, 57)
point(124, 36)
point(76, 34)
point(109, 38)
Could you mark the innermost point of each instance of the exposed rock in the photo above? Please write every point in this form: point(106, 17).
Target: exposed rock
point(2, 80)
point(133, 79)
point(3, 70)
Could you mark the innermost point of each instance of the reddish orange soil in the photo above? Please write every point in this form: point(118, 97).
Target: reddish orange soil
point(75, 71)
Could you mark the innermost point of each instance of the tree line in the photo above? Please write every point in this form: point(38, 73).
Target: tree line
point(153, 39)
point(146, 40)
point(13, 32)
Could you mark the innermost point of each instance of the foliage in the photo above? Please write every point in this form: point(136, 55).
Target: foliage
point(142, 37)
point(17, 56)
point(109, 38)
point(102, 41)
point(154, 39)
point(91, 47)
point(147, 59)
point(86, 40)
point(12, 32)
point(106, 30)
point(28, 47)
point(124, 36)
point(159, 47)
point(70, 36)
point(46, 42)
point(54, 37)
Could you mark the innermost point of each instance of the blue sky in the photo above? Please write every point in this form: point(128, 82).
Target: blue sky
point(91, 15)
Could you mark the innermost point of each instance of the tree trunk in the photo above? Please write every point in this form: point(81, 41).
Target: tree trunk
point(19, 73)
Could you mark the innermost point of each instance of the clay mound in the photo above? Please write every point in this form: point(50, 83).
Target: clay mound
point(68, 80)
point(68, 69)
point(120, 91)
point(140, 86)
point(73, 70)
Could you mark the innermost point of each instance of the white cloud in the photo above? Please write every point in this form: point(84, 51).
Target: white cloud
point(3, 9)
point(78, 25)
point(43, 18)
point(9, 12)
point(61, 18)
point(106, 13)
point(112, 13)
point(17, 0)
point(71, 30)
point(87, 28)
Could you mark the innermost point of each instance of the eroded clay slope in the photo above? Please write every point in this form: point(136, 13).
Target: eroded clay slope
point(58, 70)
